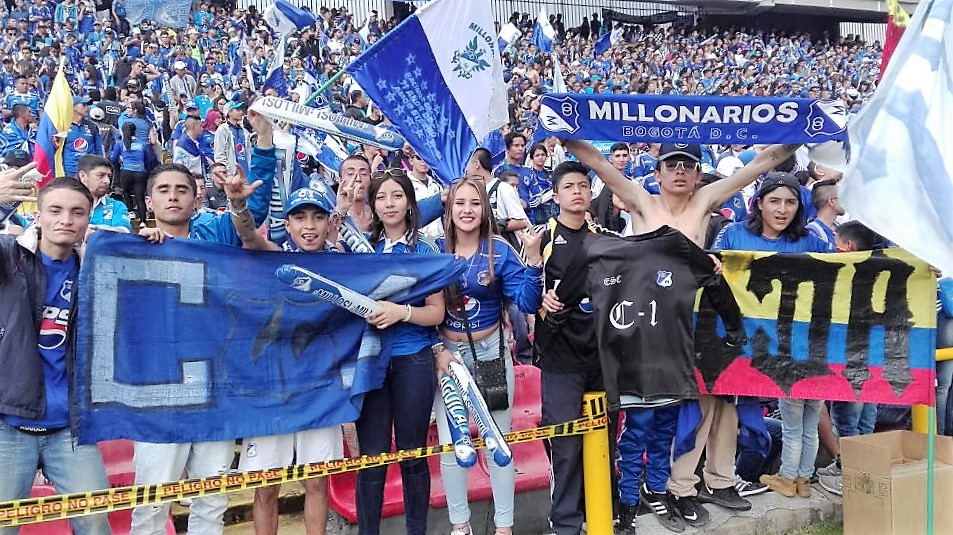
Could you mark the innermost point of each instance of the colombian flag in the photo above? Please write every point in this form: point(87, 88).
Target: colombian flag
point(54, 122)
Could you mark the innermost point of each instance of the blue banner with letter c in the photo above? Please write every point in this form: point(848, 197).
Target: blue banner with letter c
point(189, 341)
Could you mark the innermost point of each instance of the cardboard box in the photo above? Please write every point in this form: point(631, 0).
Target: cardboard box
point(885, 484)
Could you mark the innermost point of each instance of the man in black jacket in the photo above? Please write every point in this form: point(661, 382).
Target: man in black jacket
point(37, 273)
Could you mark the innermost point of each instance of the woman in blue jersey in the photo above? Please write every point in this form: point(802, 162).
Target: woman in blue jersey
point(135, 159)
point(404, 401)
point(473, 329)
point(776, 224)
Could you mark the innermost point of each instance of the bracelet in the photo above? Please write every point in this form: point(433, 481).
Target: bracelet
point(437, 349)
point(410, 311)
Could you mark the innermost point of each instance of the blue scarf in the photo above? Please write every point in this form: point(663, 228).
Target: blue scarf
point(693, 119)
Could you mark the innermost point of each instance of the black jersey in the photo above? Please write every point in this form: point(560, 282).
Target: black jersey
point(565, 342)
point(642, 289)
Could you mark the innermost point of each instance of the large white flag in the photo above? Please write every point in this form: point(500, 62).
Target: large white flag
point(900, 180)
point(438, 77)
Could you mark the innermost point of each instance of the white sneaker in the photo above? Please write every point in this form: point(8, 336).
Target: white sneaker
point(461, 529)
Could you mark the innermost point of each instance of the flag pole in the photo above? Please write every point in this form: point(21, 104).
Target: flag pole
point(324, 87)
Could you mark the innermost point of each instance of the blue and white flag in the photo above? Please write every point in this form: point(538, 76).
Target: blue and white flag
point(559, 84)
point(690, 119)
point(900, 180)
point(162, 13)
point(322, 147)
point(509, 33)
point(284, 17)
point(438, 77)
point(543, 32)
point(276, 71)
point(190, 341)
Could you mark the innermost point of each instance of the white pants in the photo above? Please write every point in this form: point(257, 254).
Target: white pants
point(159, 463)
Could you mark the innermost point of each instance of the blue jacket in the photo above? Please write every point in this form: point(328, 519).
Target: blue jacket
point(219, 229)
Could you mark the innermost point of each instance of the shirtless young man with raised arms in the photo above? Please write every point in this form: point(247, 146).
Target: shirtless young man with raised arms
point(684, 206)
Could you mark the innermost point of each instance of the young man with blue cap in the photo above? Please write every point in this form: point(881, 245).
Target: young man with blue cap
point(309, 224)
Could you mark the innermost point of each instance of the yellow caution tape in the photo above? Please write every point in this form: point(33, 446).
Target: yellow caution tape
point(35, 510)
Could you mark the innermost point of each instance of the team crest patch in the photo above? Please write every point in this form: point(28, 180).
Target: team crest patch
point(483, 278)
point(471, 58)
point(664, 279)
point(251, 449)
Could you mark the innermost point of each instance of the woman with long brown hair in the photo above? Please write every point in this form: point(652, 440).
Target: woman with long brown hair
point(473, 329)
point(404, 401)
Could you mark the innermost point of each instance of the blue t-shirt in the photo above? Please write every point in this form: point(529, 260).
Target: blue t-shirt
point(112, 213)
point(60, 275)
point(409, 338)
point(737, 237)
point(484, 302)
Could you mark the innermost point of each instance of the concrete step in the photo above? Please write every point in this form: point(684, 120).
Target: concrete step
point(770, 513)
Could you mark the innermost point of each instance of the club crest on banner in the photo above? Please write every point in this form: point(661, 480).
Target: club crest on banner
point(471, 58)
point(827, 118)
point(560, 115)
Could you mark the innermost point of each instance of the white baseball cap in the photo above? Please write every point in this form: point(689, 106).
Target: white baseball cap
point(178, 65)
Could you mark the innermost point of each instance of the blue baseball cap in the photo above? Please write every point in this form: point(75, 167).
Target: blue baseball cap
point(307, 197)
point(81, 100)
point(191, 105)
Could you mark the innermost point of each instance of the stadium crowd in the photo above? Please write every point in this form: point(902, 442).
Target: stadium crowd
point(161, 114)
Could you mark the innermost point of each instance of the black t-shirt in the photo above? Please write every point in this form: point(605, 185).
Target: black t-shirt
point(643, 290)
point(111, 110)
point(565, 342)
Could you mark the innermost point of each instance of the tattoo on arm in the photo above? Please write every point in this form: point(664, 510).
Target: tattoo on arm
point(787, 150)
point(245, 225)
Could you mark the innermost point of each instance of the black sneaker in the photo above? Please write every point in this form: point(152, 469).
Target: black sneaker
point(627, 514)
point(661, 505)
point(749, 488)
point(689, 508)
point(727, 498)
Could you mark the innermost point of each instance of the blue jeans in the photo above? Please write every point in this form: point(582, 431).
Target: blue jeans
point(403, 405)
point(524, 349)
point(750, 464)
point(853, 418)
point(799, 419)
point(69, 466)
point(649, 432)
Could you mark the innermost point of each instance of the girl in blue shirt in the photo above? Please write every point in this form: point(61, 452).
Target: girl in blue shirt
point(495, 274)
point(137, 158)
point(403, 403)
point(776, 223)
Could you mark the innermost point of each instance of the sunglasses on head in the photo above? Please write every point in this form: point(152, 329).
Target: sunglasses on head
point(389, 172)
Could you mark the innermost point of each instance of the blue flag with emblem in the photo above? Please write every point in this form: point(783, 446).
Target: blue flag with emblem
point(692, 119)
point(900, 181)
point(190, 341)
point(438, 77)
point(543, 32)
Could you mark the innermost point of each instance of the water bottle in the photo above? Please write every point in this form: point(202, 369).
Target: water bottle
point(8, 208)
